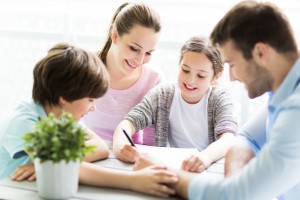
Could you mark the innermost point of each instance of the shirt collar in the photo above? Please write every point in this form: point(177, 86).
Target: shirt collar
point(287, 86)
point(40, 109)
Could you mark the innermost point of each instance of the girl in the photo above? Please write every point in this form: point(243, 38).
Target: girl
point(194, 113)
point(70, 79)
point(131, 40)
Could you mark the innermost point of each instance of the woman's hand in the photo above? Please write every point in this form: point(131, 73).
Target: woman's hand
point(154, 180)
point(196, 163)
point(24, 172)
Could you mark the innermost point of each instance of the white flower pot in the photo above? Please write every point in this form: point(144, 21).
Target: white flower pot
point(56, 180)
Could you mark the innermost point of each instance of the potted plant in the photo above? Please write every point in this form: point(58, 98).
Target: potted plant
point(57, 145)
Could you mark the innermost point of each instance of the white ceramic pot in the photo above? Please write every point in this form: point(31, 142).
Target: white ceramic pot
point(56, 180)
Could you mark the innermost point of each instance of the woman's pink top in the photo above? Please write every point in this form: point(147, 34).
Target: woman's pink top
point(115, 104)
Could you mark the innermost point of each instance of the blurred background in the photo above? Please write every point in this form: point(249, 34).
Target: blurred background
point(29, 28)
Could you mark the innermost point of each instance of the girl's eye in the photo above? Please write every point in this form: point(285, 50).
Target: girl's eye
point(185, 71)
point(201, 76)
point(133, 48)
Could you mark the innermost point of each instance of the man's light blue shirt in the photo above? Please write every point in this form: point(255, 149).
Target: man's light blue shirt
point(275, 138)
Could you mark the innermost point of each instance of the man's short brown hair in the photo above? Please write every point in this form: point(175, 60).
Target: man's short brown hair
point(250, 22)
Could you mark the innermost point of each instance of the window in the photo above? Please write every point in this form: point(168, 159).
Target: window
point(29, 28)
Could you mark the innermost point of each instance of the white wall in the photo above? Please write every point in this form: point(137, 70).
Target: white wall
point(28, 28)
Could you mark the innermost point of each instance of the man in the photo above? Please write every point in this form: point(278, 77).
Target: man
point(257, 42)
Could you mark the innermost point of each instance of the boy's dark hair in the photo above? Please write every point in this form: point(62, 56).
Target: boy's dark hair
point(203, 45)
point(68, 72)
point(250, 22)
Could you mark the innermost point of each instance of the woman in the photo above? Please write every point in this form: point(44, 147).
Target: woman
point(131, 40)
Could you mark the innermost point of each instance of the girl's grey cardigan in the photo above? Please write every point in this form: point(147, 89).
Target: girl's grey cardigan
point(155, 109)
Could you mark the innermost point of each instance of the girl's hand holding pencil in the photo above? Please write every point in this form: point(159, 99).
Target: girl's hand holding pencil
point(126, 151)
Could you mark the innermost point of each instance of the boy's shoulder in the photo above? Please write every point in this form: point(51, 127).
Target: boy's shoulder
point(22, 118)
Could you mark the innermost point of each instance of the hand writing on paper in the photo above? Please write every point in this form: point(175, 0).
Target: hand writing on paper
point(24, 172)
point(147, 160)
point(127, 153)
point(154, 180)
point(196, 163)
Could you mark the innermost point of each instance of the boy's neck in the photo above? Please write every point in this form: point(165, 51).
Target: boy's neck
point(56, 110)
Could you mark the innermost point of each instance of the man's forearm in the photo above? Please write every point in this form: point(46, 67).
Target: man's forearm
point(236, 158)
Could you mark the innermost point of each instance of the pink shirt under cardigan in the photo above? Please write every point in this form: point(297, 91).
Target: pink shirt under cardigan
point(115, 104)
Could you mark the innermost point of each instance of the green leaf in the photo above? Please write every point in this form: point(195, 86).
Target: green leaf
point(57, 139)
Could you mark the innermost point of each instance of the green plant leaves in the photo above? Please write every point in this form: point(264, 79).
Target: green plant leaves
point(57, 139)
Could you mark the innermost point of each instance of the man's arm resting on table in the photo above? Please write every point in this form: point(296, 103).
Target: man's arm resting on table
point(236, 158)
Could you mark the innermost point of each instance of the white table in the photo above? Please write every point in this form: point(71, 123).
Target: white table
point(28, 190)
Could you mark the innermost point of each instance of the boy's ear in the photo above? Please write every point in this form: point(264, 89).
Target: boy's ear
point(62, 101)
point(260, 53)
point(114, 35)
